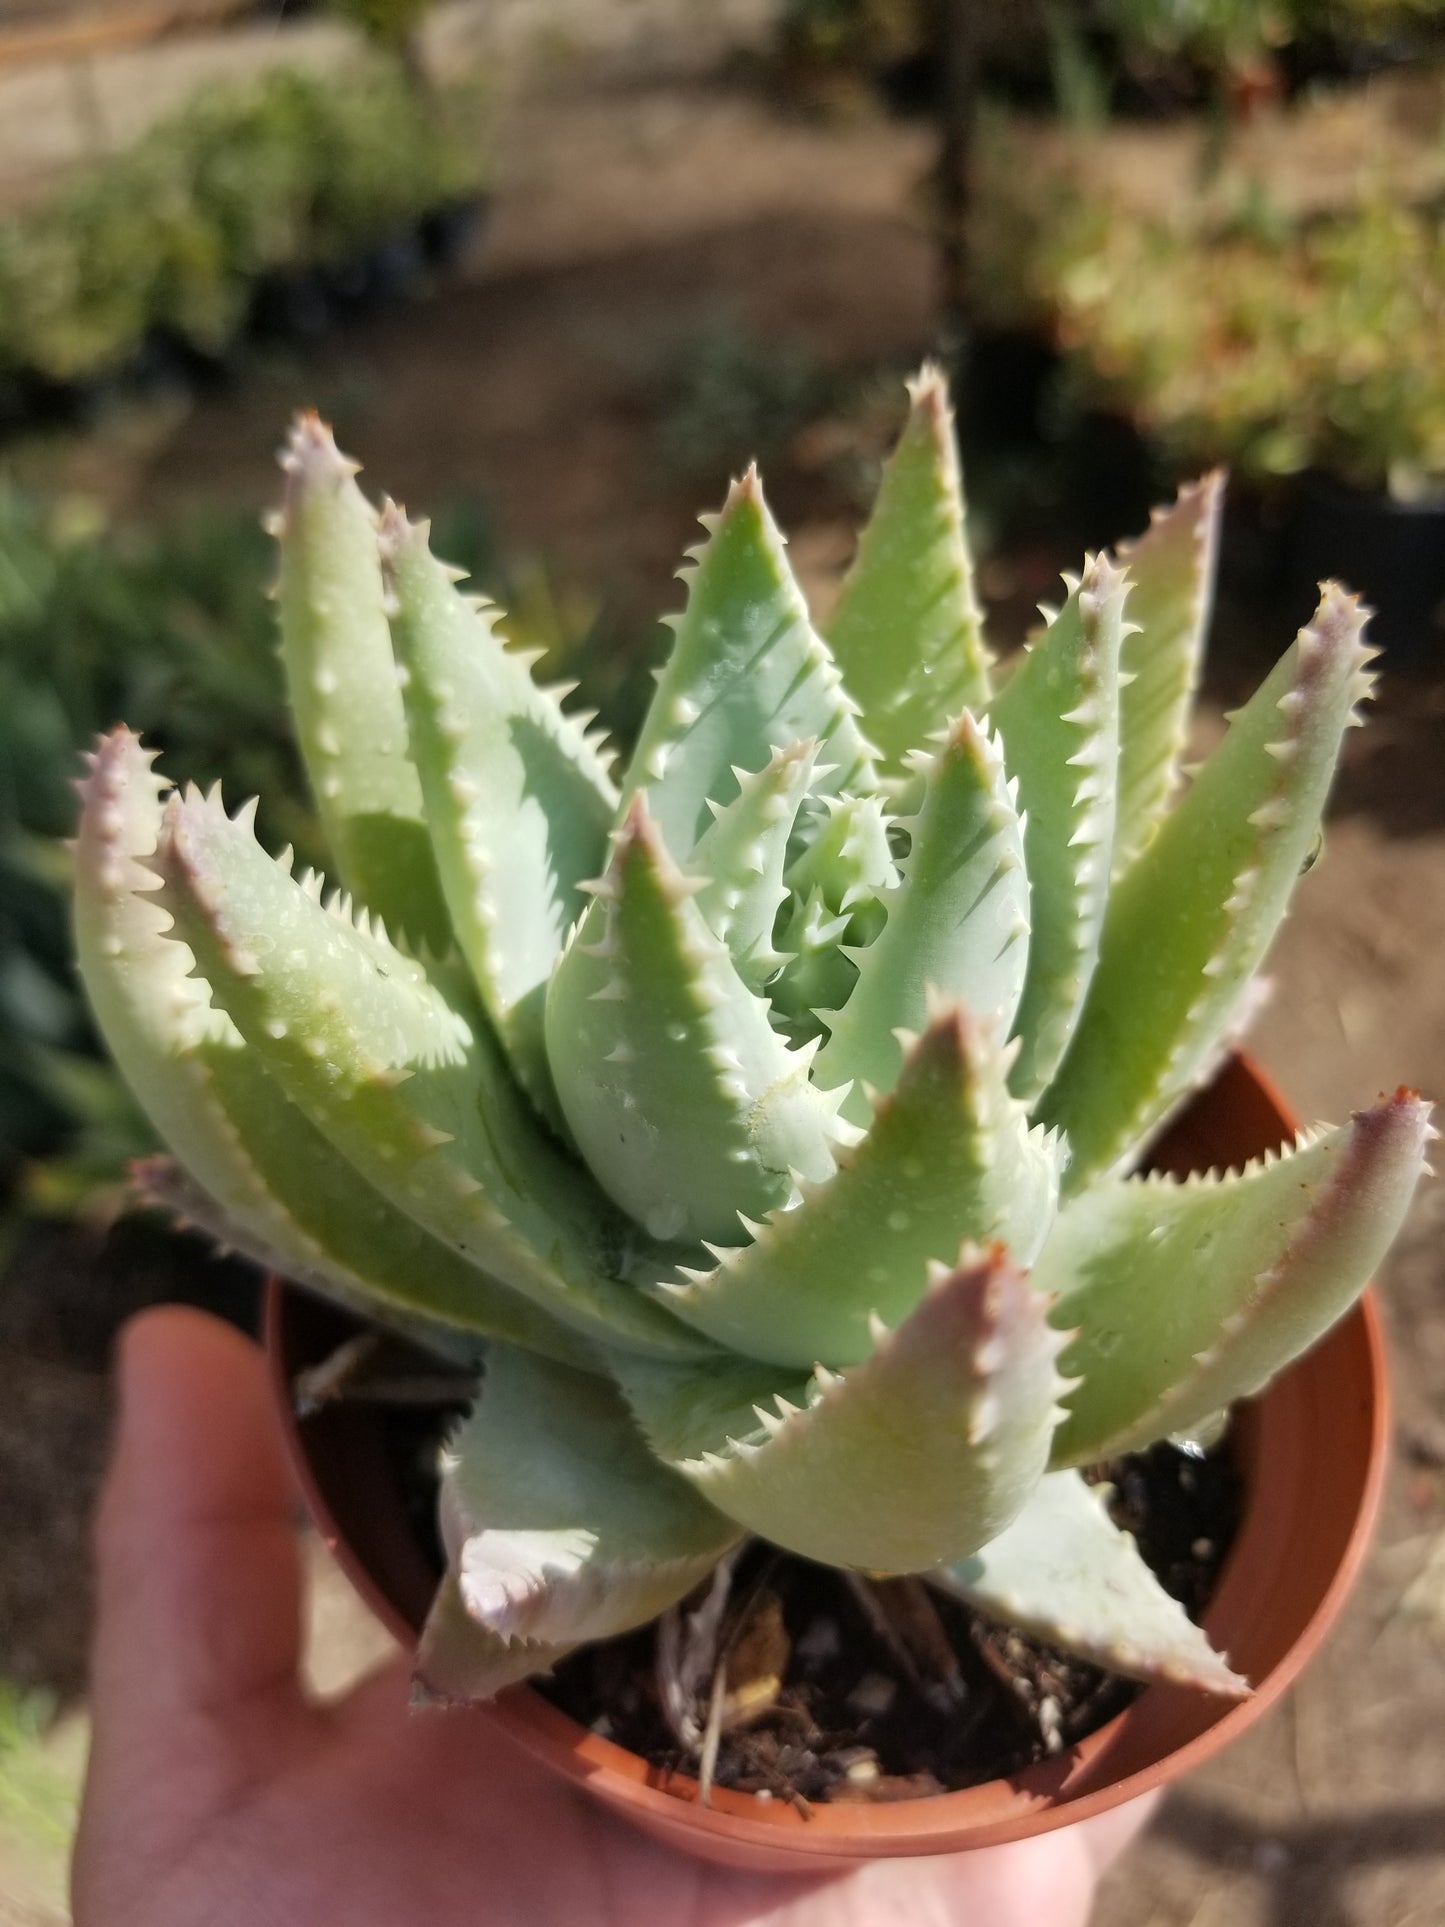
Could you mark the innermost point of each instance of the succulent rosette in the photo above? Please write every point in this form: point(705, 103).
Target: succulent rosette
point(762, 1119)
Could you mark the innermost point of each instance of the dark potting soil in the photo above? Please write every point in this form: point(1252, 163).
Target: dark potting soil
point(837, 1690)
point(855, 1709)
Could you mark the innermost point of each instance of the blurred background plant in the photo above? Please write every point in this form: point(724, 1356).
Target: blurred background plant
point(169, 243)
point(395, 26)
point(1258, 338)
point(1142, 56)
point(41, 1763)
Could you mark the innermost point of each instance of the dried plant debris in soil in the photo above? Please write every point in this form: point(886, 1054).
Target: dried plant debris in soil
point(805, 1683)
point(825, 1687)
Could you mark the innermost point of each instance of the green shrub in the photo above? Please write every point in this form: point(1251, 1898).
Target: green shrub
point(1270, 343)
point(289, 172)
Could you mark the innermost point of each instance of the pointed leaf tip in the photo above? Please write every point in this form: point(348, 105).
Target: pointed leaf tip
point(559, 1524)
point(1189, 921)
point(310, 454)
point(747, 674)
point(954, 927)
point(398, 535)
point(954, 1407)
point(949, 1157)
point(342, 685)
point(1172, 569)
point(1186, 1297)
point(684, 1101)
point(907, 630)
point(1064, 1572)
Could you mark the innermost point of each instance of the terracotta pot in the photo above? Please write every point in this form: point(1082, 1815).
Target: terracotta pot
point(1312, 1455)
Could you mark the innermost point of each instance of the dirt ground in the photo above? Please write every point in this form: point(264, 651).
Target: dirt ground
point(628, 218)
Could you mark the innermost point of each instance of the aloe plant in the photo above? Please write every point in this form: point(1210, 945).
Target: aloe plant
point(768, 1114)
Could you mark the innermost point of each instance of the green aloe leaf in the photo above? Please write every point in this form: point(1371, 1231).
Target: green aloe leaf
point(459, 1661)
point(1064, 1572)
point(836, 886)
point(847, 858)
point(408, 1088)
point(949, 1158)
point(687, 1105)
point(817, 976)
point(265, 1179)
point(1190, 921)
point(907, 632)
point(1059, 719)
point(910, 1460)
point(341, 678)
point(558, 1522)
point(748, 674)
point(517, 799)
point(1186, 1296)
point(957, 925)
point(1171, 576)
point(164, 1184)
point(743, 856)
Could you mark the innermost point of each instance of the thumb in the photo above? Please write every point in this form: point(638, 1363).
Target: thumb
point(198, 1577)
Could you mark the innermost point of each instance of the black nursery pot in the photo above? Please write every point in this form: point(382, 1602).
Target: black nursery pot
point(1392, 552)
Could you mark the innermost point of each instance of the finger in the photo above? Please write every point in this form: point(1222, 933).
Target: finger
point(198, 1576)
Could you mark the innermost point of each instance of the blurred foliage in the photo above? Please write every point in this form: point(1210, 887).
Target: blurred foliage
point(863, 35)
point(39, 1793)
point(1224, 33)
point(42, 1768)
point(729, 396)
point(1269, 342)
point(1082, 50)
point(173, 235)
point(171, 632)
point(391, 23)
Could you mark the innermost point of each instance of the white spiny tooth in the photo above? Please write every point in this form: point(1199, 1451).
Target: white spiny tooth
point(878, 1332)
point(1271, 815)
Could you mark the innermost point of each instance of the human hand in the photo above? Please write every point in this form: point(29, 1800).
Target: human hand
point(219, 1796)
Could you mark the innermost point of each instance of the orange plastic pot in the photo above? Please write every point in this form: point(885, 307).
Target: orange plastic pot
point(1311, 1453)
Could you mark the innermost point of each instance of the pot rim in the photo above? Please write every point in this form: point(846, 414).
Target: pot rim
point(1057, 1792)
